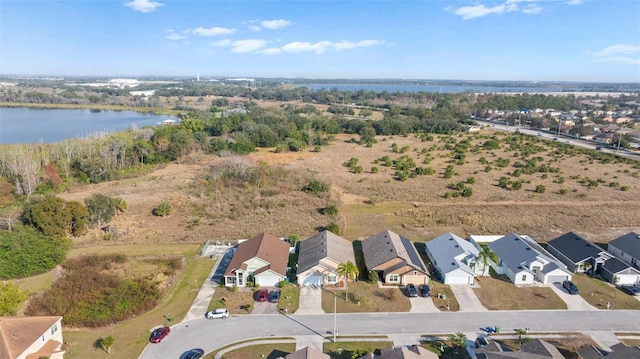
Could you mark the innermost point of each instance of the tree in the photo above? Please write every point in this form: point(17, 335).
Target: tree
point(10, 298)
point(520, 332)
point(458, 340)
point(101, 209)
point(349, 271)
point(484, 256)
point(25, 251)
point(56, 217)
point(367, 136)
point(106, 343)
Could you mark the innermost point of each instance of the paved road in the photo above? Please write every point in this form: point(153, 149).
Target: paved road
point(211, 334)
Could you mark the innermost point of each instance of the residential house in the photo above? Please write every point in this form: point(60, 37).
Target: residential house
point(618, 351)
point(618, 272)
point(524, 261)
point(319, 257)
point(454, 259)
point(533, 349)
point(577, 253)
point(31, 337)
point(395, 258)
point(403, 352)
point(627, 248)
point(306, 353)
point(263, 258)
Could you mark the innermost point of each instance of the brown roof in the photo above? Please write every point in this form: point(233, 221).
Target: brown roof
point(307, 353)
point(265, 246)
point(18, 333)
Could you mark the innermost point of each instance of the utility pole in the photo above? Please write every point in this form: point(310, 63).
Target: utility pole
point(619, 141)
point(335, 318)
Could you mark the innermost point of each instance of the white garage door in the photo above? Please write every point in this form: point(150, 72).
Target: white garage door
point(627, 279)
point(556, 279)
point(268, 281)
point(458, 280)
point(312, 280)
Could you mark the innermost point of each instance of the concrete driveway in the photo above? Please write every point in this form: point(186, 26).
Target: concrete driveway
point(265, 308)
point(310, 301)
point(467, 298)
point(574, 302)
point(422, 305)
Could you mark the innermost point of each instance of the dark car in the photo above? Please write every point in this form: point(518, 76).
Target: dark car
point(274, 296)
point(262, 295)
point(599, 148)
point(425, 290)
point(158, 334)
point(481, 341)
point(570, 287)
point(631, 290)
point(411, 290)
point(194, 354)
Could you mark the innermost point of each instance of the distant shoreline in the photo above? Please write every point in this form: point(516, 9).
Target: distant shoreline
point(53, 106)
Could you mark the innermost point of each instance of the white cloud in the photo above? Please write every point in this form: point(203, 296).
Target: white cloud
point(174, 36)
point(530, 7)
point(212, 31)
point(347, 45)
point(271, 51)
point(319, 47)
point(249, 45)
point(254, 28)
point(575, 2)
point(221, 43)
point(143, 5)
point(625, 54)
point(275, 24)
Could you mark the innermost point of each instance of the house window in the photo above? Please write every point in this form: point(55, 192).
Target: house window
point(54, 329)
point(394, 278)
point(524, 277)
point(332, 279)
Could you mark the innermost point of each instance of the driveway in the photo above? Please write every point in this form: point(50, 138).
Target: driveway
point(422, 305)
point(467, 298)
point(265, 308)
point(310, 300)
point(574, 302)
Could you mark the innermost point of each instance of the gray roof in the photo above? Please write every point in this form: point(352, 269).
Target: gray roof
point(618, 351)
point(513, 250)
point(386, 245)
point(445, 248)
point(322, 245)
point(576, 248)
point(614, 266)
point(541, 347)
point(534, 349)
point(629, 243)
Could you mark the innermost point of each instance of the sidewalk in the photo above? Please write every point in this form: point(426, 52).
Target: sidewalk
point(201, 302)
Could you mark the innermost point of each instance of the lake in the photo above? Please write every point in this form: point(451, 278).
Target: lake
point(427, 88)
point(31, 125)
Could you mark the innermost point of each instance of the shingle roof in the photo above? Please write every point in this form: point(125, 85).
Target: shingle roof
point(387, 245)
point(541, 347)
point(307, 353)
point(576, 248)
point(322, 245)
point(618, 351)
point(614, 265)
point(535, 349)
point(405, 352)
point(18, 333)
point(445, 248)
point(513, 250)
point(264, 246)
point(629, 243)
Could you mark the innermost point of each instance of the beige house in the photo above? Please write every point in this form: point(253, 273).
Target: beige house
point(31, 337)
point(263, 258)
point(395, 258)
point(319, 257)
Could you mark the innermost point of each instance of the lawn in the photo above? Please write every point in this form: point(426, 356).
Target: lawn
point(345, 350)
point(289, 298)
point(268, 351)
point(512, 297)
point(442, 296)
point(237, 301)
point(130, 337)
point(365, 297)
point(598, 292)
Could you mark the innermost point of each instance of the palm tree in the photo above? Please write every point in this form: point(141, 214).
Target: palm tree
point(484, 256)
point(458, 340)
point(348, 271)
point(520, 333)
point(106, 343)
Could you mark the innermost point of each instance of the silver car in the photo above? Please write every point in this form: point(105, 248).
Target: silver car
point(218, 313)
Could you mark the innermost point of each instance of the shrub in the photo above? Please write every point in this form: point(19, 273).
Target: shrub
point(25, 252)
point(163, 209)
point(624, 188)
point(330, 210)
point(100, 208)
point(374, 169)
point(315, 187)
point(564, 191)
point(333, 228)
point(540, 188)
point(10, 298)
point(471, 180)
point(54, 216)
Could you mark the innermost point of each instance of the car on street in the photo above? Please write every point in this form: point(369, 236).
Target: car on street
point(425, 290)
point(158, 334)
point(555, 138)
point(411, 290)
point(262, 295)
point(598, 148)
point(222, 313)
point(629, 289)
point(274, 296)
point(570, 287)
point(194, 354)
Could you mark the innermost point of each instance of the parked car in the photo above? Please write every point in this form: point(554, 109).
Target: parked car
point(481, 341)
point(629, 289)
point(262, 295)
point(158, 334)
point(598, 148)
point(274, 296)
point(570, 287)
point(411, 290)
point(194, 354)
point(217, 313)
point(425, 290)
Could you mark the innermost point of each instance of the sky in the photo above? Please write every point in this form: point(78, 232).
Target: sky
point(501, 40)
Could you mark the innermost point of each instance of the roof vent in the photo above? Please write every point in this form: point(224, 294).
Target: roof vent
point(451, 238)
point(528, 248)
point(453, 263)
point(457, 246)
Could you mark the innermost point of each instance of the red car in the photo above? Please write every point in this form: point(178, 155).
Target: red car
point(158, 334)
point(262, 295)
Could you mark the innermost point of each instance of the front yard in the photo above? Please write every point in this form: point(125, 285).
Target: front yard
point(365, 297)
point(598, 293)
point(496, 292)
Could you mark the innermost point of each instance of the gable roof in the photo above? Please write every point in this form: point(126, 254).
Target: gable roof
point(629, 243)
point(404, 352)
point(575, 248)
point(618, 351)
point(307, 353)
point(615, 266)
point(386, 245)
point(534, 349)
point(265, 246)
point(324, 245)
point(513, 250)
point(541, 347)
point(18, 333)
point(446, 250)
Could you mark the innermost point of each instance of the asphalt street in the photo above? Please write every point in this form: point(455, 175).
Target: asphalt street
point(212, 334)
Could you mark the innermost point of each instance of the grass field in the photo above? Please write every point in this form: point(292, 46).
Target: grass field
point(598, 292)
point(365, 297)
point(512, 297)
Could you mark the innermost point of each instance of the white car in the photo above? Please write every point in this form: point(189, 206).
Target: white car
point(218, 313)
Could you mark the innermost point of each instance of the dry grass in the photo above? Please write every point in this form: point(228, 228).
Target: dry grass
point(343, 350)
point(515, 298)
point(268, 351)
point(598, 292)
point(240, 301)
point(365, 297)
